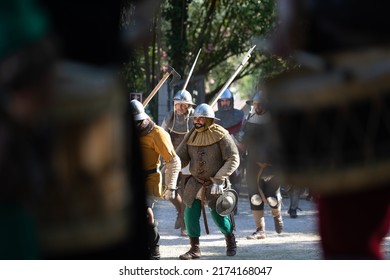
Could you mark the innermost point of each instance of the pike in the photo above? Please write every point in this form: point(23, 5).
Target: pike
point(228, 82)
point(176, 77)
point(192, 69)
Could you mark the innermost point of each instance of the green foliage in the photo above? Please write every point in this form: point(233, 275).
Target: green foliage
point(225, 30)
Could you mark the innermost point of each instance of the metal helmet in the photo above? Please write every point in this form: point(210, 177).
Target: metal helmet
point(138, 110)
point(204, 110)
point(227, 94)
point(183, 96)
point(227, 202)
point(258, 97)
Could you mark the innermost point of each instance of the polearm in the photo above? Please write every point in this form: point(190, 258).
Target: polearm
point(192, 69)
point(228, 82)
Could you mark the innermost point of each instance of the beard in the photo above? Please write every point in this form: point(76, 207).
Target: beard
point(199, 125)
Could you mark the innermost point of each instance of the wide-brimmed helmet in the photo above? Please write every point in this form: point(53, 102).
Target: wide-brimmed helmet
point(204, 110)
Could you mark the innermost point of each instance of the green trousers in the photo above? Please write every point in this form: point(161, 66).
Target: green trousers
point(192, 220)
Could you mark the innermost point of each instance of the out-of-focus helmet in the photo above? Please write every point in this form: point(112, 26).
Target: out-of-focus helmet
point(138, 110)
point(227, 94)
point(183, 96)
point(204, 110)
point(258, 97)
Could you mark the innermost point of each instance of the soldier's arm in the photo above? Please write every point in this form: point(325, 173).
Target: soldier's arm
point(230, 156)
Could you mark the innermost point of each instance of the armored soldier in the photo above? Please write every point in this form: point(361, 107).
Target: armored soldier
point(177, 123)
point(212, 157)
point(155, 142)
point(263, 186)
point(231, 119)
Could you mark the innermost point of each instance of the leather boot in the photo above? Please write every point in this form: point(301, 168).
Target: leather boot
point(278, 220)
point(231, 245)
point(153, 242)
point(194, 252)
point(258, 216)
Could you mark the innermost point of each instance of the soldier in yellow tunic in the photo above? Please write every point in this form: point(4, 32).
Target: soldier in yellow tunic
point(155, 142)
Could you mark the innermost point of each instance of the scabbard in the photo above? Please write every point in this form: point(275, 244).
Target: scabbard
point(206, 226)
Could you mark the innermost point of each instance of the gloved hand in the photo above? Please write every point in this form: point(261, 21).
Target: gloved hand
point(216, 189)
point(169, 194)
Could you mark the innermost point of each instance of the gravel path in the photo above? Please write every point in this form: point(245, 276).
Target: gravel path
point(298, 241)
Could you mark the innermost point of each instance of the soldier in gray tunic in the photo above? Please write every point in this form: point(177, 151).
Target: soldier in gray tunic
point(177, 123)
point(212, 157)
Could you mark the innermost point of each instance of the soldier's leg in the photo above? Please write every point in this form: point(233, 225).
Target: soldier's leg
point(274, 199)
point(177, 202)
point(181, 223)
point(225, 226)
point(294, 194)
point(153, 235)
point(256, 203)
point(258, 216)
point(192, 217)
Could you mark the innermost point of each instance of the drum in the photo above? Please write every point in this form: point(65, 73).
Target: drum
point(332, 123)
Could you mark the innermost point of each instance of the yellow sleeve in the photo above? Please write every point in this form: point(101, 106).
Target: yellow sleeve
point(164, 145)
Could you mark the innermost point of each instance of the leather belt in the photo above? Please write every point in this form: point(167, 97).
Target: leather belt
point(151, 171)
